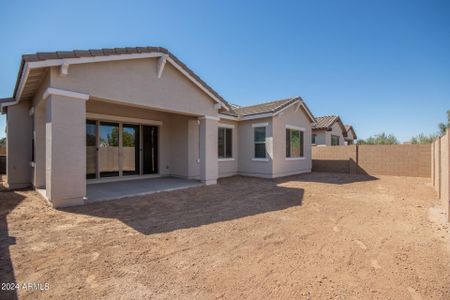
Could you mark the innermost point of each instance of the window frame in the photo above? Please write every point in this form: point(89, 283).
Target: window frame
point(255, 127)
point(338, 140)
point(225, 128)
point(301, 131)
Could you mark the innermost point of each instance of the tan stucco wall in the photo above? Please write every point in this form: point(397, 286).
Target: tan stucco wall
point(208, 151)
point(320, 137)
point(247, 166)
point(324, 136)
point(18, 145)
point(350, 136)
point(335, 130)
point(136, 82)
point(39, 128)
point(281, 166)
point(178, 131)
point(40, 119)
point(193, 156)
point(229, 167)
point(65, 148)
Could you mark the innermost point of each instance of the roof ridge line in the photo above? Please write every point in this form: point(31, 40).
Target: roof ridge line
point(281, 105)
point(267, 102)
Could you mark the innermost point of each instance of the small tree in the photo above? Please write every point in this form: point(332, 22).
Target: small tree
point(423, 139)
point(380, 139)
point(442, 126)
point(3, 142)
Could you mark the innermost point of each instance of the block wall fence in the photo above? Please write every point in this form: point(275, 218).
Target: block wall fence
point(398, 160)
point(440, 169)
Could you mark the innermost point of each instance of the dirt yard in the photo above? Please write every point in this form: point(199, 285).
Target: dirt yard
point(316, 236)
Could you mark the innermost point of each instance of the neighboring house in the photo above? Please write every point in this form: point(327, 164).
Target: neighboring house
point(79, 117)
point(328, 131)
point(351, 135)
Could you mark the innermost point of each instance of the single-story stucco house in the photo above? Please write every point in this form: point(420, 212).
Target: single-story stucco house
point(328, 131)
point(85, 117)
point(351, 135)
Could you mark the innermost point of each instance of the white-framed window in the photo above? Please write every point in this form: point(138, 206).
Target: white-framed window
point(335, 140)
point(225, 142)
point(260, 141)
point(295, 142)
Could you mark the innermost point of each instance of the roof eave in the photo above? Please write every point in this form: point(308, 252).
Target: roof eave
point(5, 102)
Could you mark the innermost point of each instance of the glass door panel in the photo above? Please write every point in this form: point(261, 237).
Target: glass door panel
point(130, 149)
point(150, 150)
point(91, 149)
point(108, 149)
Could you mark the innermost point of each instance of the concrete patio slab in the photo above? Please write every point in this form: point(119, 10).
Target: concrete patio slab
point(129, 188)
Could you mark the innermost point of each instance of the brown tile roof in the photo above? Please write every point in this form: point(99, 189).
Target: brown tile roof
point(39, 56)
point(325, 122)
point(266, 107)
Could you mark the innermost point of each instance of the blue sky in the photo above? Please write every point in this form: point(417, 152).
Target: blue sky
point(380, 65)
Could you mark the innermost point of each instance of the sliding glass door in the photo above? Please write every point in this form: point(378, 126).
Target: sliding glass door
point(130, 149)
point(91, 149)
point(116, 149)
point(108, 153)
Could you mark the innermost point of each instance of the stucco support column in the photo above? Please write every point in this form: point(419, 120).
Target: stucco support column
point(65, 147)
point(208, 150)
point(193, 149)
point(18, 145)
point(39, 145)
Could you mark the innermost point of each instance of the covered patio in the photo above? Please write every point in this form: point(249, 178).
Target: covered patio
point(97, 192)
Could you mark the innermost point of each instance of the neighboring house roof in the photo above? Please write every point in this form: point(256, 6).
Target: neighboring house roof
point(325, 123)
point(72, 57)
point(349, 127)
point(263, 109)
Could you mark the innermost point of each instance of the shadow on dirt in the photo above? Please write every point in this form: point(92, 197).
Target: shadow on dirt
point(331, 178)
point(8, 202)
point(232, 198)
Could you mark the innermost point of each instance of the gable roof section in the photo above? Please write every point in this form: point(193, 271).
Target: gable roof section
point(349, 127)
point(267, 109)
point(325, 123)
point(41, 60)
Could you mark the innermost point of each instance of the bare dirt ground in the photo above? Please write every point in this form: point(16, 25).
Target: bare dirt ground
point(315, 236)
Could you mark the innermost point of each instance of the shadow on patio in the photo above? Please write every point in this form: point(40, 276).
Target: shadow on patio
point(231, 198)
